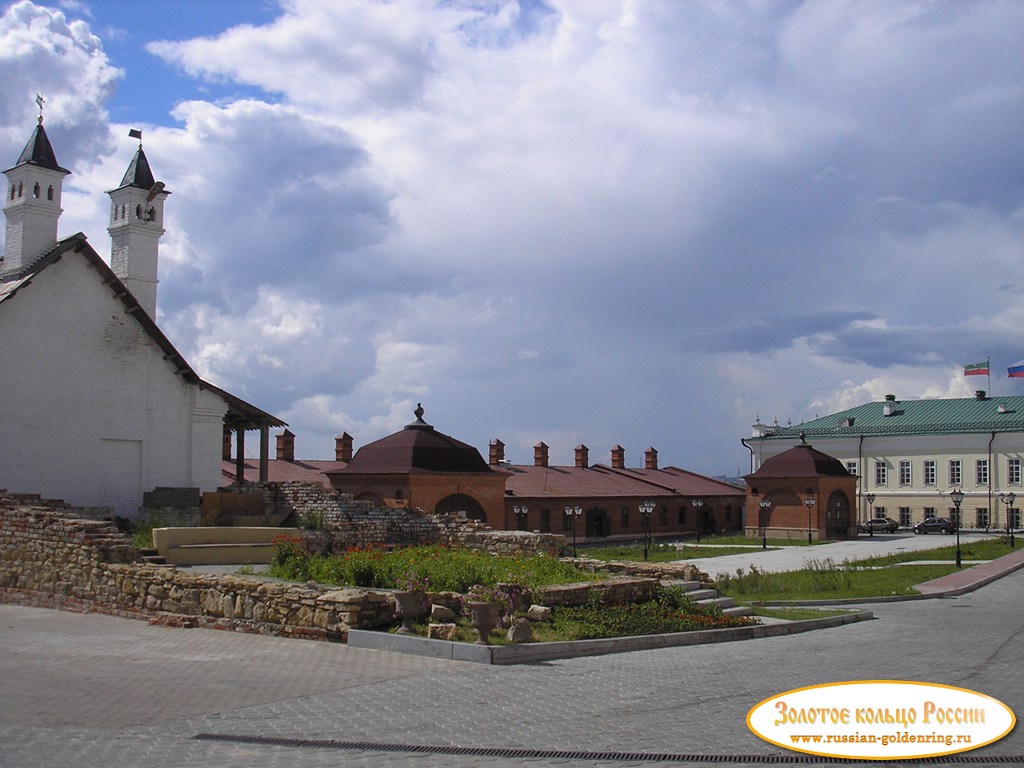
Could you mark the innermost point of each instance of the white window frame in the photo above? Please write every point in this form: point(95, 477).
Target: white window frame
point(929, 472)
point(1013, 471)
point(956, 473)
point(981, 472)
point(851, 467)
point(906, 472)
point(881, 473)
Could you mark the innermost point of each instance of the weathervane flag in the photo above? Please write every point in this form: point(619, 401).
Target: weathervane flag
point(976, 369)
point(1016, 371)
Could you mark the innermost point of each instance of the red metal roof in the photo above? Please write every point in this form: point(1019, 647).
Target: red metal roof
point(282, 471)
point(600, 480)
point(801, 461)
point(417, 448)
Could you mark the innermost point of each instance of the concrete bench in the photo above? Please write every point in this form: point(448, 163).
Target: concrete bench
point(229, 545)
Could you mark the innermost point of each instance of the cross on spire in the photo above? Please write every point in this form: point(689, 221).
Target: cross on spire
point(40, 101)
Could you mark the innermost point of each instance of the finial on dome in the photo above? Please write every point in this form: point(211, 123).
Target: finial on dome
point(40, 101)
point(418, 413)
point(803, 438)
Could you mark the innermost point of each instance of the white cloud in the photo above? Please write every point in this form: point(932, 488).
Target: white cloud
point(601, 222)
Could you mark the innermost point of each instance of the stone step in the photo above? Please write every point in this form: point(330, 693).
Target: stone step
point(738, 610)
point(703, 594)
point(687, 585)
point(720, 602)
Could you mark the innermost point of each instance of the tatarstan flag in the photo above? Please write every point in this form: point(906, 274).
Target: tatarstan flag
point(976, 369)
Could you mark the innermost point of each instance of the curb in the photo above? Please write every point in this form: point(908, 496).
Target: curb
point(527, 653)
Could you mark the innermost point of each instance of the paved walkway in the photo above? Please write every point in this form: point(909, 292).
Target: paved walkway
point(863, 547)
point(101, 692)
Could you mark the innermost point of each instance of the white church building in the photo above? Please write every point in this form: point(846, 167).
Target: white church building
point(96, 405)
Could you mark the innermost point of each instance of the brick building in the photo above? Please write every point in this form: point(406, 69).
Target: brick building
point(801, 493)
point(610, 496)
point(421, 467)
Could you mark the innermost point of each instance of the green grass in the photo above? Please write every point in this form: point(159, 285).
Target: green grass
point(797, 614)
point(826, 580)
point(984, 549)
point(430, 568)
point(659, 553)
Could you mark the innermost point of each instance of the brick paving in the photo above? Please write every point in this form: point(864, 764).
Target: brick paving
point(93, 690)
point(90, 690)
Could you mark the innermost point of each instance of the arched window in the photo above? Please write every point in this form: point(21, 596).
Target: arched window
point(36, 190)
point(49, 192)
point(459, 503)
point(138, 211)
point(399, 495)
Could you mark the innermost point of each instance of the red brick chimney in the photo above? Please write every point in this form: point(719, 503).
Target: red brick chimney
point(618, 457)
point(540, 455)
point(650, 459)
point(343, 447)
point(497, 455)
point(582, 456)
point(286, 446)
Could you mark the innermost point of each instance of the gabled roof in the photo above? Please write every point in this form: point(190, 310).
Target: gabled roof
point(279, 471)
point(800, 461)
point(416, 448)
point(599, 480)
point(914, 417)
point(240, 413)
point(39, 152)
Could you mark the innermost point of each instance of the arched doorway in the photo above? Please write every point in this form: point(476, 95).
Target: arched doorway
point(460, 502)
point(597, 525)
point(837, 523)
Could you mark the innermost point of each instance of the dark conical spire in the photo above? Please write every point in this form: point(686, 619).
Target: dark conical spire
point(39, 152)
point(139, 173)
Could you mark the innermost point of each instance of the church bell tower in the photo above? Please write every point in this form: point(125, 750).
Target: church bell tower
point(32, 203)
point(136, 225)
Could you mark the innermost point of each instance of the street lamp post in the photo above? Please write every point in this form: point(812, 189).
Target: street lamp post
point(574, 513)
point(809, 501)
point(1008, 499)
point(698, 504)
point(765, 507)
point(521, 512)
point(870, 498)
point(957, 497)
point(646, 508)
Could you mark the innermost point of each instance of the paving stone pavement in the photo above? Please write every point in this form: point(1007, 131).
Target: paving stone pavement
point(90, 690)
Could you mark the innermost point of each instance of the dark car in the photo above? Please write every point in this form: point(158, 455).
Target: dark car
point(879, 525)
point(935, 525)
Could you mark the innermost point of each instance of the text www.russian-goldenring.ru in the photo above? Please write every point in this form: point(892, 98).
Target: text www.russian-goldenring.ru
point(884, 740)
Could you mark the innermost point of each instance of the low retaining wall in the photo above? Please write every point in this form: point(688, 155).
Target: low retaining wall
point(51, 558)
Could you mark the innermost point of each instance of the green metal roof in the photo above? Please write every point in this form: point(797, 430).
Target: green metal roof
point(913, 417)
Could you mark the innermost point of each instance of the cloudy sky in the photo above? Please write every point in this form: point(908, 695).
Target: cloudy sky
point(643, 222)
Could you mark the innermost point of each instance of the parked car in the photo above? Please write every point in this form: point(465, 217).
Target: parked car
point(935, 525)
point(879, 525)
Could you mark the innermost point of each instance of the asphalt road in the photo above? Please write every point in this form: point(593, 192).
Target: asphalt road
point(90, 690)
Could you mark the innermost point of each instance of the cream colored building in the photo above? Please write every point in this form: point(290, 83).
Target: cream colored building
point(911, 454)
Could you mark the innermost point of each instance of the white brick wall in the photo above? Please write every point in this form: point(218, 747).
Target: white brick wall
point(82, 381)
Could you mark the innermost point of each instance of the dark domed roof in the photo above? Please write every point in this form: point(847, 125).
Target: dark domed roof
point(801, 461)
point(416, 448)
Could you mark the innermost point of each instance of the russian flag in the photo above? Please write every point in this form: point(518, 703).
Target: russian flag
point(1016, 370)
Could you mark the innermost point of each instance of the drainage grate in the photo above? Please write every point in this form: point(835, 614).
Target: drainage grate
point(563, 754)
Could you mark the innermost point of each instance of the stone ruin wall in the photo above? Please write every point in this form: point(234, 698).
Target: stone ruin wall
point(51, 557)
point(351, 523)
